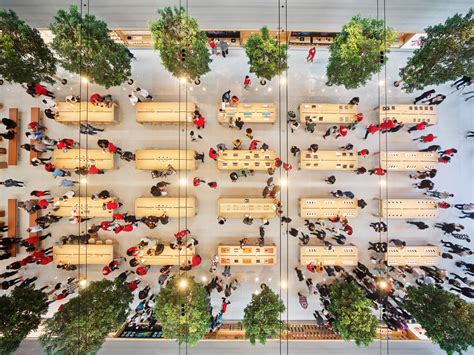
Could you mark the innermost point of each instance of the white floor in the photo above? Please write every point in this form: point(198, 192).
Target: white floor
point(305, 83)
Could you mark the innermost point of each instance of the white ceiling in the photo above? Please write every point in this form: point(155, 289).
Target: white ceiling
point(403, 15)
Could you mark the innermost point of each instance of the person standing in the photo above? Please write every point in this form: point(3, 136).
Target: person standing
point(311, 55)
point(438, 99)
point(425, 95)
point(371, 129)
point(247, 82)
point(426, 139)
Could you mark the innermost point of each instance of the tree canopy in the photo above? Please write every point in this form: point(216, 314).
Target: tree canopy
point(267, 57)
point(20, 313)
point(445, 54)
point(84, 47)
point(87, 319)
point(24, 57)
point(355, 54)
point(447, 319)
point(182, 45)
point(183, 311)
point(352, 311)
point(262, 316)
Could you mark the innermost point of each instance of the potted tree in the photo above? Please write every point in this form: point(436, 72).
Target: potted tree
point(87, 319)
point(352, 311)
point(183, 309)
point(182, 45)
point(262, 316)
point(267, 57)
point(445, 54)
point(447, 319)
point(25, 58)
point(358, 52)
point(84, 47)
point(20, 313)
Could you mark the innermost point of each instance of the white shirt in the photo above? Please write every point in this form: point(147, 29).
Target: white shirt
point(133, 99)
point(144, 93)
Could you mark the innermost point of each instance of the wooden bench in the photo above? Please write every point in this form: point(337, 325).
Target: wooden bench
point(329, 160)
point(408, 113)
point(85, 206)
point(13, 144)
point(328, 113)
point(160, 159)
point(75, 158)
point(84, 254)
point(344, 255)
point(165, 112)
point(248, 112)
point(85, 112)
point(12, 222)
point(247, 255)
point(169, 206)
point(408, 161)
point(328, 207)
point(35, 117)
point(412, 256)
point(246, 159)
point(408, 208)
point(241, 207)
point(169, 256)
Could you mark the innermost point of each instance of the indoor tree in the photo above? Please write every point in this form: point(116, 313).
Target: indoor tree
point(87, 319)
point(445, 54)
point(358, 52)
point(24, 57)
point(262, 316)
point(447, 319)
point(352, 312)
point(183, 308)
point(267, 57)
point(20, 313)
point(182, 45)
point(83, 46)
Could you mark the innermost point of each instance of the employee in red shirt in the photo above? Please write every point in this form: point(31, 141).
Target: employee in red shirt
point(311, 54)
point(213, 153)
point(418, 127)
point(41, 90)
point(378, 171)
point(196, 260)
point(371, 129)
point(96, 99)
point(426, 139)
point(342, 131)
point(363, 152)
point(38, 193)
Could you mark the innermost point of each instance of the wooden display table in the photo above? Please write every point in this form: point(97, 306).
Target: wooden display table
point(85, 112)
point(241, 207)
point(247, 255)
point(408, 113)
point(246, 159)
point(165, 112)
point(328, 207)
point(329, 160)
point(408, 161)
point(346, 255)
point(76, 158)
point(171, 206)
point(89, 254)
point(328, 113)
point(408, 208)
point(248, 112)
point(86, 207)
point(159, 159)
point(168, 256)
point(412, 256)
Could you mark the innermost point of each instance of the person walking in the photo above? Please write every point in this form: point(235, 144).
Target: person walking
point(425, 184)
point(12, 183)
point(438, 99)
point(418, 127)
point(420, 225)
point(371, 129)
point(463, 81)
point(247, 82)
point(425, 95)
point(426, 139)
point(303, 300)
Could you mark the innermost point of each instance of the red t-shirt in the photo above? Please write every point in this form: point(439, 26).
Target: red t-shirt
point(196, 181)
point(45, 260)
point(199, 121)
point(196, 260)
point(132, 251)
point(111, 205)
point(106, 270)
point(104, 225)
point(118, 229)
point(33, 125)
point(364, 152)
point(379, 171)
point(37, 255)
point(372, 128)
point(118, 216)
point(343, 130)
point(212, 153)
point(141, 271)
point(39, 193)
point(93, 170)
point(133, 285)
point(41, 90)
point(49, 167)
point(443, 205)
point(421, 126)
point(96, 97)
point(224, 307)
point(112, 148)
point(43, 204)
point(27, 260)
point(32, 240)
point(428, 138)
point(128, 228)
